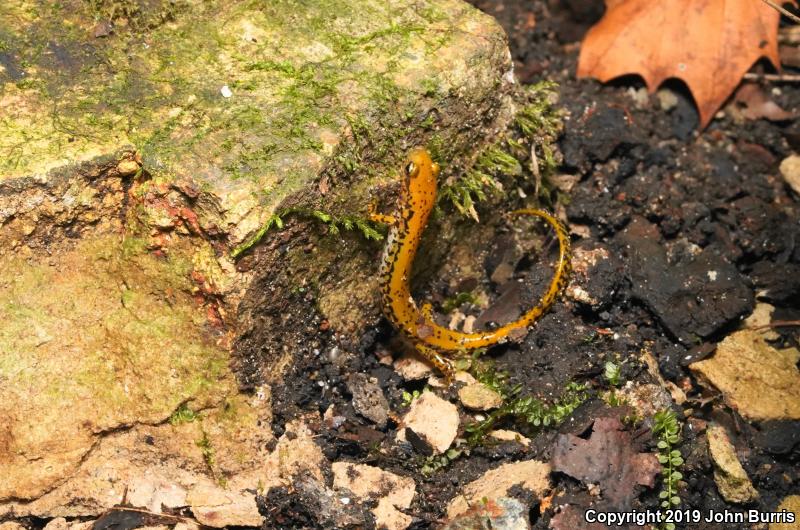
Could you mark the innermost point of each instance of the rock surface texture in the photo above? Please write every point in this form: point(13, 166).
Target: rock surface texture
point(761, 382)
point(530, 476)
point(732, 481)
point(138, 155)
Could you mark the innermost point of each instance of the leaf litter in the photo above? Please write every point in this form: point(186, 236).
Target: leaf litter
point(610, 459)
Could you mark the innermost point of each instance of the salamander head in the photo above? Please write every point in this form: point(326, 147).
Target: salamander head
point(421, 173)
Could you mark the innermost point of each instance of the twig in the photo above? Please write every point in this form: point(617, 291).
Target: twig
point(786, 78)
point(778, 324)
point(782, 11)
point(537, 175)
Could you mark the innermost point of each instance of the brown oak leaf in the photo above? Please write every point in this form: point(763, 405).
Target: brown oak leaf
point(709, 44)
point(607, 459)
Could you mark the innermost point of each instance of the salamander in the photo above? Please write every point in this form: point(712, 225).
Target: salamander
point(434, 342)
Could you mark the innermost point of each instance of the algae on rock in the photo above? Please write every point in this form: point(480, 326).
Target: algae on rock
point(139, 143)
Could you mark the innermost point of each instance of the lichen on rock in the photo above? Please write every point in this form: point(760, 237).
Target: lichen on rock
point(142, 142)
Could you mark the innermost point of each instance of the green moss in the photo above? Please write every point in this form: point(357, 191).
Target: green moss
point(666, 429)
point(537, 126)
point(453, 303)
point(131, 246)
point(162, 98)
point(182, 414)
point(525, 412)
point(140, 14)
point(209, 454)
point(335, 225)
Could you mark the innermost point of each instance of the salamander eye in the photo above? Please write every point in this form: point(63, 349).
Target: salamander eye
point(410, 169)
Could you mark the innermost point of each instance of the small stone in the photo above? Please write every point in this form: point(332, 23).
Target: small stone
point(790, 169)
point(530, 475)
point(667, 99)
point(732, 481)
point(647, 399)
point(678, 395)
point(216, 507)
point(412, 368)
point(127, 167)
point(639, 96)
point(790, 504)
point(432, 420)
point(225, 91)
point(368, 399)
point(503, 513)
point(103, 28)
point(564, 181)
point(59, 523)
point(297, 454)
point(505, 435)
point(760, 382)
point(478, 396)
point(464, 377)
point(469, 324)
point(145, 493)
point(11, 525)
point(369, 483)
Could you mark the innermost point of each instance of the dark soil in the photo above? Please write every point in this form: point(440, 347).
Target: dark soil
point(669, 205)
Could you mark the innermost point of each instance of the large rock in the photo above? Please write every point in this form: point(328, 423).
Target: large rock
point(790, 504)
point(732, 481)
point(138, 149)
point(389, 493)
point(102, 337)
point(762, 383)
point(693, 299)
point(431, 424)
point(155, 466)
point(530, 477)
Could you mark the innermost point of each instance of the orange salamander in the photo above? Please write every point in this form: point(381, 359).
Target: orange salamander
point(416, 202)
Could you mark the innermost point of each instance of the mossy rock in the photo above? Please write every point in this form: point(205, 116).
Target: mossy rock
point(143, 141)
point(241, 104)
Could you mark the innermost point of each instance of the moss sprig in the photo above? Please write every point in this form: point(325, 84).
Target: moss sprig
point(182, 414)
point(335, 226)
point(348, 222)
point(454, 302)
point(666, 429)
point(275, 220)
point(536, 127)
point(530, 413)
point(612, 373)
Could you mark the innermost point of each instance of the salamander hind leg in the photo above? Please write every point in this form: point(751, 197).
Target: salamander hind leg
point(438, 360)
point(427, 312)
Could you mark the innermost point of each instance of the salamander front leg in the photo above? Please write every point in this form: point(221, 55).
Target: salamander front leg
point(381, 218)
point(441, 362)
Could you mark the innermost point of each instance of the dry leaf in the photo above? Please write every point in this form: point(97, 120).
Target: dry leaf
point(608, 459)
point(756, 104)
point(709, 44)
